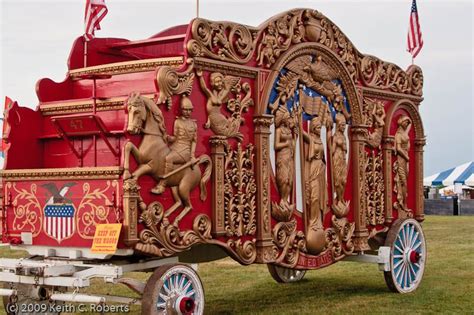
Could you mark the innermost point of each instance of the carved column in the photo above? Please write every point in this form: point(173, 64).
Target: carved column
point(361, 234)
point(264, 236)
point(218, 147)
point(420, 199)
point(388, 145)
point(131, 197)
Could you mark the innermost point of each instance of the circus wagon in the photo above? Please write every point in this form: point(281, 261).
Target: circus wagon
point(280, 144)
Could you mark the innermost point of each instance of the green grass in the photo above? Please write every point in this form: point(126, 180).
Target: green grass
point(346, 287)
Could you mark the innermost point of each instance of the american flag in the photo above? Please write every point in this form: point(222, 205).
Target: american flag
point(95, 12)
point(59, 221)
point(415, 41)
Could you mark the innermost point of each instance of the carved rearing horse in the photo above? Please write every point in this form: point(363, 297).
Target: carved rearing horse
point(144, 117)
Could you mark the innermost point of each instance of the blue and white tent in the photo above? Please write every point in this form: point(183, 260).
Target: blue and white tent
point(462, 174)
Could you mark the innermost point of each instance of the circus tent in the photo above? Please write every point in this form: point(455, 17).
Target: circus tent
point(462, 174)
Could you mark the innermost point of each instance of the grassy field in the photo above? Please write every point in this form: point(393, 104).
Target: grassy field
point(346, 288)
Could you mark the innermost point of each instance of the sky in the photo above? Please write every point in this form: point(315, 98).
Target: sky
point(36, 37)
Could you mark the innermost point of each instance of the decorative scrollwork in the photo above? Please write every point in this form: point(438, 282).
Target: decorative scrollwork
point(27, 210)
point(374, 189)
point(159, 238)
point(290, 242)
point(90, 212)
point(170, 82)
point(222, 40)
point(240, 192)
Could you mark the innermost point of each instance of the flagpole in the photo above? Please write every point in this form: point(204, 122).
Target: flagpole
point(197, 8)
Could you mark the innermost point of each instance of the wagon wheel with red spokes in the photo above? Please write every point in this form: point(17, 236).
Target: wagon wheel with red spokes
point(407, 256)
point(173, 289)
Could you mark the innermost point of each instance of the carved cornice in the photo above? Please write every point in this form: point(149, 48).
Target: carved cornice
point(388, 95)
point(225, 68)
point(127, 66)
point(241, 44)
point(56, 108)
point(62, 173)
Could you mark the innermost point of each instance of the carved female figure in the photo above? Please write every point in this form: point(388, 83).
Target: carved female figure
point(216, 96)
point(285, 143)
point(315, 187)
point(339, 153)
point(402, 147)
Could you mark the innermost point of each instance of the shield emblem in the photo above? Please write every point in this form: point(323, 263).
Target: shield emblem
point(59, 221)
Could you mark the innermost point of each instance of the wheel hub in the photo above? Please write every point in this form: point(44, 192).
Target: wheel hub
point(414, 257)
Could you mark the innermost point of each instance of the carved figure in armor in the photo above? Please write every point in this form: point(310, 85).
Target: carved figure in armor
point(402, 147)
point(268, 48)
point(339, 153)
point(183, 142)
point(315, 187)
point(218, 94)
point(285, 144)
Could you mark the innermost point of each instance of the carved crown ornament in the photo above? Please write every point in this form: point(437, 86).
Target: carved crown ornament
point(263, 45)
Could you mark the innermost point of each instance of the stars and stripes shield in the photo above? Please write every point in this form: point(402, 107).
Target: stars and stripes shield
point(59, 221)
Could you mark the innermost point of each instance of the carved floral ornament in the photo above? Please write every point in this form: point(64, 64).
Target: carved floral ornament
point(236, 43)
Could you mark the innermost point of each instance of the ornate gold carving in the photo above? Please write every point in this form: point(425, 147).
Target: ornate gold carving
point(285, 144)
point(237, 43)
point(315, 184)
point(127, 66)
point(374, 113)
point(131, 203)
point(89, 212)
point(27, 210)
point(374, 189)
point(225, 68)
point(162, 239)
point(170, 82)
point(240, 192)
point(340, 207)
point(153, 154)
point(221, 87)
point(277, 38)
point(401, 166)
point(62, 173)
point(218, 148)
point(290, 242)
point(222, 40)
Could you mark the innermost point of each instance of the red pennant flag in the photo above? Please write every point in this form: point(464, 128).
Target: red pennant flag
point(95, 12)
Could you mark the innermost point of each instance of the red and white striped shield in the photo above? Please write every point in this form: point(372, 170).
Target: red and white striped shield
point(59, 221)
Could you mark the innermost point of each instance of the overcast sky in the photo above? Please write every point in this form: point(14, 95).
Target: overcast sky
point(36, 37)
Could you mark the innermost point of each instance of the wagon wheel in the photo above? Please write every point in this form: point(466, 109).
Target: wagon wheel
point(23, 304)
point(407, 256)
point(173, 289)
point(285, 275)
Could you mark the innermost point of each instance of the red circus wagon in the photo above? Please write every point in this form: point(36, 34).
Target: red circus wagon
point(280, 144)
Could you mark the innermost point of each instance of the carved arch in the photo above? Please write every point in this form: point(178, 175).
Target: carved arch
point(332, 60)
point(412, 110)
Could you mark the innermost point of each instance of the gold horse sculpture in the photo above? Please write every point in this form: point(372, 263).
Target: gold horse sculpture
point(144, 117)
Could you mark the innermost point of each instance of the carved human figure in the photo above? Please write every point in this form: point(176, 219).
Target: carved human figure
point(216, 96)
point(339, 153)
point(285, 144)
point(402, 147)
point(315, 187)
point(183, 142)
point(268, 48)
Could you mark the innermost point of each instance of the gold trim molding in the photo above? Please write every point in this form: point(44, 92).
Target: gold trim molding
point(76, 173)
point(56, 108)
point(128, 66)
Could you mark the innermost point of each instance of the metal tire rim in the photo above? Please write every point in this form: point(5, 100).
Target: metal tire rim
point(180, 282)
point(408, 256)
